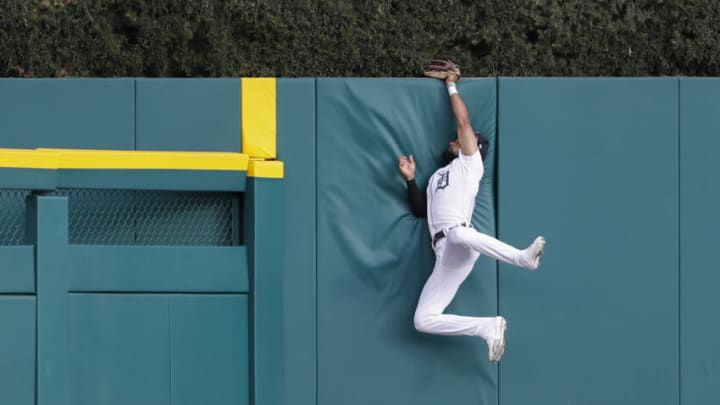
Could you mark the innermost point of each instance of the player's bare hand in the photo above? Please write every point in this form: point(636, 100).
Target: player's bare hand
point(407, 166)
point(452, 78)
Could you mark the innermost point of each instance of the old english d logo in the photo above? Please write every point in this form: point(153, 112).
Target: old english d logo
point(443, 180)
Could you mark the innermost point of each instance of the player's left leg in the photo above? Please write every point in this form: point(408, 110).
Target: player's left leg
point(528, 258)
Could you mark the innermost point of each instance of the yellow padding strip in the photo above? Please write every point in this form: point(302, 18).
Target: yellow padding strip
point(270, 169)
point(107, 159)
point(259, 117)
point(28, 159)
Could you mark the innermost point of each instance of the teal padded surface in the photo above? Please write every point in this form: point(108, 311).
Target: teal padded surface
point(374, 256)
point(118, 349)
point(209, 350)
point(188, 114)
point(67, 113)
point(137, 179)
point(176, 180)
point(157, 269)
point(31, 179)
point(263, 225)
point(47, 229)
point(17, 269)
point(591, 164)
point(699, 222)
point(296, 148)
point(17, 350)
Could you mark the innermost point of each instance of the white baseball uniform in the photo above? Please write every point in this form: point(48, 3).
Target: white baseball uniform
point(451, 194)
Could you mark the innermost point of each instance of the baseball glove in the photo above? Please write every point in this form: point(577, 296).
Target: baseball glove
point(441, 69)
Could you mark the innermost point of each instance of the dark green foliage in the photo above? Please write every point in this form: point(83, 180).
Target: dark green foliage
point(292, 38)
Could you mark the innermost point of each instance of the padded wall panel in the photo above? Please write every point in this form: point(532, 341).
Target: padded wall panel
point(263, 226)
point(209, 350)
point(157, 269)
point(147, 179)
point(593, 165)
point(699, 222)
point(17, 350)
point(374, 256)
point(68, 113)
point(296, 148)
point(188, 114)
point(119, 349)
point(17, 269)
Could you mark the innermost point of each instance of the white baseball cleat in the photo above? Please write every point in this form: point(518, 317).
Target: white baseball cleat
point(496, 344)
point(534, 251)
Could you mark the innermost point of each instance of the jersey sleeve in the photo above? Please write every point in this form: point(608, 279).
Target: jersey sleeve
point(473, 163)
point(417, 200)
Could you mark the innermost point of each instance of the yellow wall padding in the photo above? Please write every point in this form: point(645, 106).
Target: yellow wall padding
point(270, 169)
point(117, 159)
point(259, 117)
point(28, 159)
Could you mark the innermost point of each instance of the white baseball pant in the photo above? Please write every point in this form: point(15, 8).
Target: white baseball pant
point(455, 256)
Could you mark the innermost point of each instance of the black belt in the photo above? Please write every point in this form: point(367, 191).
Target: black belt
point(443, 232)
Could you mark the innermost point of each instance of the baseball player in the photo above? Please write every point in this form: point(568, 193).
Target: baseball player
point(448, 204)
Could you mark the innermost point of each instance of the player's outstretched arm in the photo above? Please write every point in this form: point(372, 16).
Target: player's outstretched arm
point(465, 133)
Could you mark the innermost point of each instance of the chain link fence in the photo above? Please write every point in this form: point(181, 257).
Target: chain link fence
point(134, 217)
point(12, 217)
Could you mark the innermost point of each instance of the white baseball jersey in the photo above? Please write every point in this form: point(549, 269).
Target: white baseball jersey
point(451, 192)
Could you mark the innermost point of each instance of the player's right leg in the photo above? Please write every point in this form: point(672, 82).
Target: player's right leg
point(452, 266)
point(496, 343)
point(528, 258)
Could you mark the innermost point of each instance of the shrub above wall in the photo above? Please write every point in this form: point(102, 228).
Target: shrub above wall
point(307, 38)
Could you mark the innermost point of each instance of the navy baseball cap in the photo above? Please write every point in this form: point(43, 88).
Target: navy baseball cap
point(483, 146)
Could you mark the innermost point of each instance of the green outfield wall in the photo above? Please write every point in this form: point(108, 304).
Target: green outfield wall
point(186, 286)
point(133, 277)
point(593, 165)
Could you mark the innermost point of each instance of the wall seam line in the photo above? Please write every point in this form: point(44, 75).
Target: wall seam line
point(497, 208)
point(317, 345)
point(135, 101)
point(170, 348)
point(679, 242)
